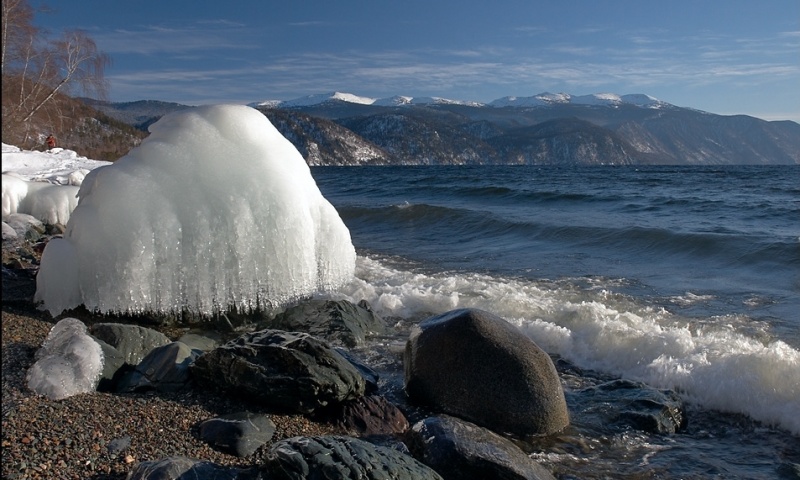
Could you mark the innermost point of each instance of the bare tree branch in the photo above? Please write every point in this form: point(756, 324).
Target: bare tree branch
point(36, 70)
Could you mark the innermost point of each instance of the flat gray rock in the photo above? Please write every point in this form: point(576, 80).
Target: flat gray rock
point(239, 434)
point(131, 341)
point(165, 369)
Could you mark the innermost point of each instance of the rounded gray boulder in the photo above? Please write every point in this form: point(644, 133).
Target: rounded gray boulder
point(475, 365)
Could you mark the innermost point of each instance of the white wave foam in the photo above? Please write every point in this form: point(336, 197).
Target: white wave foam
point(691, 299)
point(709, 361)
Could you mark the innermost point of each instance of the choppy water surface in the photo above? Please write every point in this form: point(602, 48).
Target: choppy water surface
point(684, 278)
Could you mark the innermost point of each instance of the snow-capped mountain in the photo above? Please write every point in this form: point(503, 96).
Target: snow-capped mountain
point(549, 128)
point(393, 101)
point(540, 100)
point(326, 97)
point(610, 99)
point(396, 100)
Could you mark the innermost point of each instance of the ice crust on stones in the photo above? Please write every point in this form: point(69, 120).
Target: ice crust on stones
point(70, 362)
point(214, 210)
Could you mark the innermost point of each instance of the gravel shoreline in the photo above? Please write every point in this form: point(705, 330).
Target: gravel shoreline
point(87, 436)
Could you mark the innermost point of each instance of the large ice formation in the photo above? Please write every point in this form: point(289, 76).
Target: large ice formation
point(214, 210)
point(70, 362)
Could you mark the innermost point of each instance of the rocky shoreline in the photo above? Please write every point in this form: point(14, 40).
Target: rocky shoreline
point(326, 410)
point(149, 433)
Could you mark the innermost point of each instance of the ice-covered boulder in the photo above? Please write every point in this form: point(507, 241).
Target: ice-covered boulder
point(50, 203)
point(70, 362)
point(25, 226)
point(214, 210)
point(9, 233)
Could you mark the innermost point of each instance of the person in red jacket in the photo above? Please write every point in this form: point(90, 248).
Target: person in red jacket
point(51, 141)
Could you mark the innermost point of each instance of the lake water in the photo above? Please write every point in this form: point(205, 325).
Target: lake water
point(684, 278)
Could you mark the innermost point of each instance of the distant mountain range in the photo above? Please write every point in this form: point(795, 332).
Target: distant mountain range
point(600, 129)
point(542, 99)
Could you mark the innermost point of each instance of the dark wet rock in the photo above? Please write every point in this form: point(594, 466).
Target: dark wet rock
point(371, 415)
point(336, 321)
point(628, 404)
point(132, 341)
point(474, 365)
point(183, 468)
point(288, 371)
point(460, 450)
point(239, 434)
point(341, 458)
point(18, 282)
point(371, 377)
point(165, 369)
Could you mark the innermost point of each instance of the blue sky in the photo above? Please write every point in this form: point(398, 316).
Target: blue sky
point(723, 56)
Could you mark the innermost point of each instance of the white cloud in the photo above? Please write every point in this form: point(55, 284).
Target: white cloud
point(156, 39)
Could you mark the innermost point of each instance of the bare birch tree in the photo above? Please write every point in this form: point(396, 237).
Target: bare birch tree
point(37, 70)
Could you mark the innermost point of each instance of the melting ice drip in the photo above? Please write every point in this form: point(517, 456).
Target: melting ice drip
point(214, 210)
